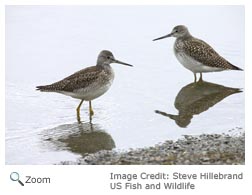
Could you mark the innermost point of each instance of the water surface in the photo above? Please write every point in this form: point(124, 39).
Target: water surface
point(152, 102)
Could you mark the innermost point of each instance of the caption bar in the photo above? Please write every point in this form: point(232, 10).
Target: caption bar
point(168, 181)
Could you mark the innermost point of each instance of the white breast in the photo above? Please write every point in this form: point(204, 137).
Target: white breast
point(193, 65)
point(94, 90)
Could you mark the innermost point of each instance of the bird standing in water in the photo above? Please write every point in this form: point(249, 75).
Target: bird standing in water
point(87, 84)
point(195, 54)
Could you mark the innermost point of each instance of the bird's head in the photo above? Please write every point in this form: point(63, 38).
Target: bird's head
point(106, 57)
point(177, 31)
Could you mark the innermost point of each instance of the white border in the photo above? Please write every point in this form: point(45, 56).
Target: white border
point(94, 179)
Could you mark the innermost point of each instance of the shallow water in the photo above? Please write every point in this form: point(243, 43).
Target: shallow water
point(147, 104)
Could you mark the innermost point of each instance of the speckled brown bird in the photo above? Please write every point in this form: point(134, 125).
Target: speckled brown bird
point(89, 83)
point(195, 54)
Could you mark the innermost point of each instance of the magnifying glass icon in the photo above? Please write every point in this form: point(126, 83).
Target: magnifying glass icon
point(14, 176)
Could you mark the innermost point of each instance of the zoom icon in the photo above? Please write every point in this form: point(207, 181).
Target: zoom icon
point(14, 176)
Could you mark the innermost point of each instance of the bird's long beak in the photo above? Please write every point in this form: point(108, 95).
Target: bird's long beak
point(163, 37)
point(119, 62)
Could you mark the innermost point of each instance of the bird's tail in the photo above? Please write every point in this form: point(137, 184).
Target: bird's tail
point(233, 67)
point(45, 88)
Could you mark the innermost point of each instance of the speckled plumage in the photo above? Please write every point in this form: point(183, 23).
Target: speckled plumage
point(195, 54)
point(89, 83)
point(80, 84)
point(202, 52)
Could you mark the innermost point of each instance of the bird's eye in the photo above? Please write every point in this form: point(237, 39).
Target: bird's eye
point(108, 57)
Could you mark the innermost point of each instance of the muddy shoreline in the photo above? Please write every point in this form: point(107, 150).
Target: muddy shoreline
point(205, 149)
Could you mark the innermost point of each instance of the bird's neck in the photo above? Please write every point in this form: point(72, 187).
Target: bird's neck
point(103, 65)
point(185, 36)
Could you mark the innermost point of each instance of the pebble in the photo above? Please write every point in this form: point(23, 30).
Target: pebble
point(207, 149)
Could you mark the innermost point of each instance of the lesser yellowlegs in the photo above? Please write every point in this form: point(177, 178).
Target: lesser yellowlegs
point(195, 54)
point(89, 83)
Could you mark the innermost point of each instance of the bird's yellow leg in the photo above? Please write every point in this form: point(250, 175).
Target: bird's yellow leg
point(195, 78)
point(78, 118)
point(91, 112)
point(200, 79)
point(78, 109)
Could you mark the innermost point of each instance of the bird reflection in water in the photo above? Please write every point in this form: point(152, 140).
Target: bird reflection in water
point(80, 138)
point(196, 98)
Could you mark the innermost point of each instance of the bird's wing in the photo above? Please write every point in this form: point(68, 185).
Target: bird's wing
point(80, 79)
point(205, 54)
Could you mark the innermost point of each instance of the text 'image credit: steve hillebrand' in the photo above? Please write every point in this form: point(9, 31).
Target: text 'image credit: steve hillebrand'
point(168, 181)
